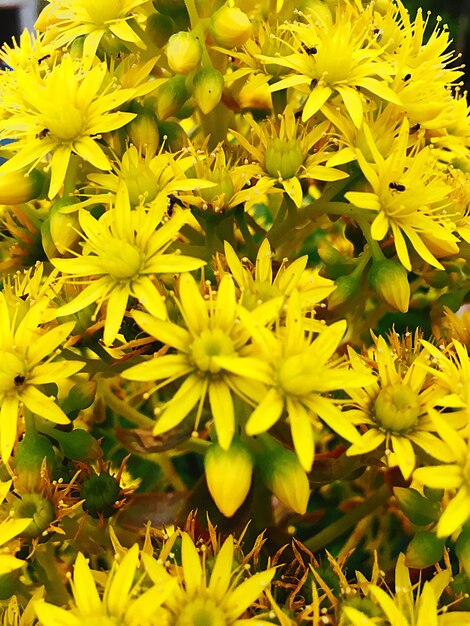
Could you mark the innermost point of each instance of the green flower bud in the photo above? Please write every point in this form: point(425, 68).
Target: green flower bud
point(143, 131)
point(78, 444)
point(171, 96)
point(19, 187)
point(397, 408)
point(38, 508)
point(462, 550)
point(80, 397)
point(228, 475)
point(208, 85)
point(173, 134)
point(169, 7)
point(29, 456)
point(346, 288)
point(283, 474)
point(389, 280)
point(10, 585)
point(424, 550)
point(183, 52)
point(230, 27)
point(433, 494)
point(159, 28)
point(100, 492)
point(64, 226)
point(283, 158)
point(418, 509)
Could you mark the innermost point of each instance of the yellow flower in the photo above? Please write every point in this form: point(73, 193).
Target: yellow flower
point(286, 153)
point(335, 58)
point(410, 605)
point(10, 528)
point(125, 248)
point(396, 409)
point(123, 602)
point(212, 353)
point(63, 21)
point(26, 353)
point(61, 113)
point(261, 288)
point(300, 376)
point(219, 601)
point(409, 198)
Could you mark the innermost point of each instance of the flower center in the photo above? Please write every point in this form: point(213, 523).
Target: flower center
point(122, 260)
point(283, 158)
point(201, 612)
point(211, 343)
point(12, 371)
point(295, 375)
point(103, 11)
point(66, 123)
point(397, 408)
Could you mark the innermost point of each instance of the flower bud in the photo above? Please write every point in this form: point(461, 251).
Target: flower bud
point(78, 444)
point(462, 550)
point(143, 131)
point(424, 550)
point(29, 456)
point(169, 7)
point(18, 187)
point(159, 28)
point(230, 27)
point(64, 226)
point(207, 89)
point(418, 509)
point(10, 585)
point(173, 134)
point(390, 280)
point(38, 508)
point(346, 288)
point(171, 96)
point(283, 158)
point(183, 52)
point(228, 475)
point(283, 474)
point(100, 492)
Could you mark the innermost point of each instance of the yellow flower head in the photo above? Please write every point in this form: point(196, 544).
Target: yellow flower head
point(60, 114)
point(218, 600)
point(63, 21)
point(408, 199)
point(26, 353)
point(301, 374)
point(287, 152)
point(212, 352)
point(125, 248)
point(335, 58)
point(398, 408)
point(123, 601)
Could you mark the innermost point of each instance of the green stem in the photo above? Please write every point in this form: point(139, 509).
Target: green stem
point(122, 408)
point(374, 246)
point(70, 182)
point(164, 462)
point(192, 12)
point(338, 528)
point(30, 423)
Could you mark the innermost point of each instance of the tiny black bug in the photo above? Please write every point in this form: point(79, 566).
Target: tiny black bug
point(406, 77)
point(310, 50)
point(42, 134)
point(397, 186)
point(19, 380)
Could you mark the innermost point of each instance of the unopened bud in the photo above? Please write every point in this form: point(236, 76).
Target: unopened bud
point(143, 131)
point(64, 225)
point(183, 52)
point(173, 134)
point(283, 474)
point(208, 85)
point(19, 187)
point(228, 475)
point(418, 509)
point(462, 550)
point(389, 280)
point(100, 492)
point(78, 444)
point(230, 27)
point(171, 96)
point(159, 28)
point(30, 454)
point(170, 7)
point(36, 507)
point(80, 397)
point(346, 288)
point(424, 550)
